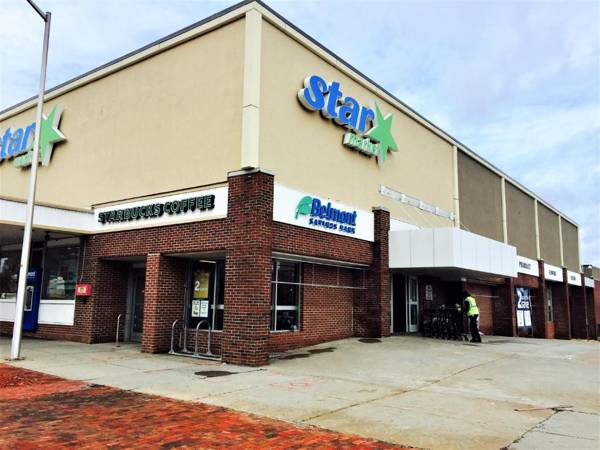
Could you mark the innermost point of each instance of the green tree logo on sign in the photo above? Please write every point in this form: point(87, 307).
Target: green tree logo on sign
point(304, 206)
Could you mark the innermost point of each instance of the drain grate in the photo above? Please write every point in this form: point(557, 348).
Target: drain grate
point(213, 373)
point(369, 340)
point(316, 351)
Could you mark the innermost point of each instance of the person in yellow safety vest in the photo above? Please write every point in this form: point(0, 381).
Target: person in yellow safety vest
point(473, 315)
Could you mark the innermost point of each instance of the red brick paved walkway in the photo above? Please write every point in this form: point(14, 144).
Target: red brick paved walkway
point(42, 411)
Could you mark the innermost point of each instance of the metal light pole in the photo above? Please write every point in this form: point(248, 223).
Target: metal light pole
point(15, 349)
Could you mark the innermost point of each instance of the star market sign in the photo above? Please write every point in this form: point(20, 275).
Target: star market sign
point(373, 140)
point(18, 144)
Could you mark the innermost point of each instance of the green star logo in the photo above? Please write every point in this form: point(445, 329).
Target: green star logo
point(382, 133)
point(49, 135)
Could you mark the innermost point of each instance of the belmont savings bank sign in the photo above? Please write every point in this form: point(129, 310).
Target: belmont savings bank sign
point(310, 211)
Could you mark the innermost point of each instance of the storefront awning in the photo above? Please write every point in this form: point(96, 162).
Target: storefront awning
point(451, 248)
point(46, 217)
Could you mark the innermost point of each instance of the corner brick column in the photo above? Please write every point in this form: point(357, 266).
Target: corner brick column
point(540, 307)
point(248, 264)
point(163, 300)
point(378, 285)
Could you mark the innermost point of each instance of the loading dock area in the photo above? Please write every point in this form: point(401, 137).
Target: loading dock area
point(406, 389)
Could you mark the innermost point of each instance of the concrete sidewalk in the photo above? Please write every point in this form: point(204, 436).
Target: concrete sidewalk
point(405, 389)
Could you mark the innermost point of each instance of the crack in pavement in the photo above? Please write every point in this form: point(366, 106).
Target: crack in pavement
point(398, 393)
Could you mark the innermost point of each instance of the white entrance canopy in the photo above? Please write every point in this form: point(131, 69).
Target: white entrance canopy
point(46, 217)
point(451, 248)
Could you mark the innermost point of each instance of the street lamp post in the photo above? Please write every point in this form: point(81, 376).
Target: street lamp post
point(15, 349)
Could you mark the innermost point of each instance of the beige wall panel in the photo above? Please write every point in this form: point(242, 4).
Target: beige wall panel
point(306, 152)
point(549, 237)
point(167, 123)
point(480, 193)
point(570, 246)
point(520, 218)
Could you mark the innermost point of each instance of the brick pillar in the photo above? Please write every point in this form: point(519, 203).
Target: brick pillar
point(578, 309)
point(504, 310)
point(562, 309)
point(591, 312)
point(378, 298)
point(248, 263)
point(586, 335)
point(87, 273)
point(163, 300)
point(540, 307)
point(109, 298)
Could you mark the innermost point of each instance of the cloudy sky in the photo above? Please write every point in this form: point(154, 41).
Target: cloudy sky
point(518, 82)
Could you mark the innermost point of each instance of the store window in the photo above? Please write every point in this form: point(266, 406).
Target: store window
point(206, 299)
point(60, 273)
point(550, 305)
point(285, 295)
point(9, 272)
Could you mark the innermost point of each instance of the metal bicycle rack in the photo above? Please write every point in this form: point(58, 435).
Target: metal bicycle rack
point(119, 328)
point(195, 354)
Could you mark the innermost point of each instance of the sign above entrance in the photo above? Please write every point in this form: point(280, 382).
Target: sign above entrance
point(528, 266)
point(553, 273)
point(17, 144)
point(309, 211)
point(573, 278)
point(370, 131)
point(187, 207)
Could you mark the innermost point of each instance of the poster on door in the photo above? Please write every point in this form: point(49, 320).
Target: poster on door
point(523, 307)
point(201, 283)
point(200, 309)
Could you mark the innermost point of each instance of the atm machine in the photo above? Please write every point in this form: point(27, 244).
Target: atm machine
point(33, 292)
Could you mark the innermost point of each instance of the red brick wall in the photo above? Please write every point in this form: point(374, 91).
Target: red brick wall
point(592, 314)
point(248, 269)
point(562, 316)
point(302, 241)
point(46, 331)
point(326, 312)
point(504, 308)
point(247, 238)
point(163, 300)
point(378, 307)
point(540, 309)
point(597, 300)
point(111, 285)
point(484, 295)
point(578, 312)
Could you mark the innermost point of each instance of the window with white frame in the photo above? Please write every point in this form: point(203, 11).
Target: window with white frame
point(285, 295)
point(60, 272)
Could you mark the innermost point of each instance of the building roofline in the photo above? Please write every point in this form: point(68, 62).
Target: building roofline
point(240, 7)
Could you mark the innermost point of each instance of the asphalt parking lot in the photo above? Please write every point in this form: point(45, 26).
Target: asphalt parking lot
point(507, 392)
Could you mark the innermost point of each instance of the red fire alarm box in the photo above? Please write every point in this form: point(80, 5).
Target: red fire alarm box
point(83, 290)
